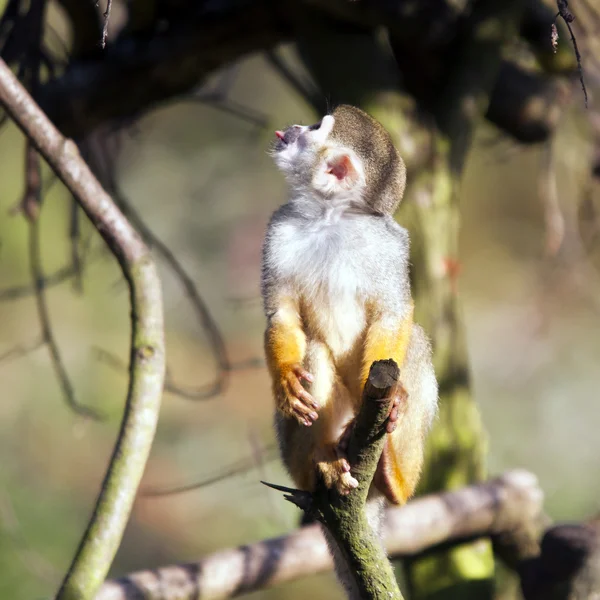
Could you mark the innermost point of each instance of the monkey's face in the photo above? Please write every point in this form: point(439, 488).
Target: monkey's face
point(348, 156)
point(316, 165)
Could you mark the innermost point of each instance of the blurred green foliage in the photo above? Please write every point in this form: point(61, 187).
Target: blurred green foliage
point(202, 180)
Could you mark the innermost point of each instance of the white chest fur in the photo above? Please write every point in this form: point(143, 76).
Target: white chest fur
point(322, 261)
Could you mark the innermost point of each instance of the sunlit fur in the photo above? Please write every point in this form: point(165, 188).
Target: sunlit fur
point(337, 297)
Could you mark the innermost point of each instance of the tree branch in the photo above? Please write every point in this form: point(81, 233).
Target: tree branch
point(527, 105)
point(346, 516)
point(156, 68)
point(500, 506)
point(147, 363)
point(568, 566)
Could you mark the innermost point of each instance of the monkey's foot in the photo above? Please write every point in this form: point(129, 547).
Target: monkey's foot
point(336, 475)
point(334, 469)
point(296, 401)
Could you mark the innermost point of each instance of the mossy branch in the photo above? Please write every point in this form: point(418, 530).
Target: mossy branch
point(345, 516)
point(503, 508)
point(147, 360)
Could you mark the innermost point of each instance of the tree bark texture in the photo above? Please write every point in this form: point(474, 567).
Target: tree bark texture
point(502, 507)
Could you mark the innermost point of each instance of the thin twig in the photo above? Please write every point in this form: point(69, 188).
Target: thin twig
point(22, 349)
point(241, 467)
point(46, 326)
point(30, 207)
point(568, 17)
point(22, 291)
point(74, 237)
point(218, 97)
point(109, 359)
point(230, 107)
point(100, 158)
point(303, 88)
point(105, 25)
point(208, 323)
point(113, 507)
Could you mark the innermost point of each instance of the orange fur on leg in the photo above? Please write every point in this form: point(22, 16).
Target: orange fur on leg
point(385, 342)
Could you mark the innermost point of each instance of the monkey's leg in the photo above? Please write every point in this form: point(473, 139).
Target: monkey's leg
point(330, 458)
point(401, 461)
point(398, 408)
point(387, 338)
point(336, 411)
point(308, 449)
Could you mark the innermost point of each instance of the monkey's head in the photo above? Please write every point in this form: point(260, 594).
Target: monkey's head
point(348, 155)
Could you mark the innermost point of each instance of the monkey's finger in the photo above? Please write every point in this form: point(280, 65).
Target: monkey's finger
point(346, 484)
point(303, 374)
point(299, 392)
point(303, 410)
point(344, 464)
point(393, 415)
point(301, 418)
point(390, 427)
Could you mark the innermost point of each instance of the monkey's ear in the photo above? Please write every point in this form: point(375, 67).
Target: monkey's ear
point(339, 170)
point(341, 167)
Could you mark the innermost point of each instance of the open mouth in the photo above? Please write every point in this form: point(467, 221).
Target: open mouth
point(287, 137)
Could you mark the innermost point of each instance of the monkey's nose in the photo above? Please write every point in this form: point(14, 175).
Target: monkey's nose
point(280, 134)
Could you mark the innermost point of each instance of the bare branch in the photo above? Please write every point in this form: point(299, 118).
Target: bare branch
point(239, 468)
point(158, 68)
point(217, 97)
point(113, 507)
point(568, 565)
point(30, 206)
point(499, 506)
point(109, 359)
point(105, 25)
point(304, 88)
point(568, 17)
point(22, 291)
point(100, 159)
point(46, 326)
point(22, 349)
point(75, 236)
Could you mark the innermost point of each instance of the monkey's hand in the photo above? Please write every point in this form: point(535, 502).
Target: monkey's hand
point(293, 399)
point(398, 403)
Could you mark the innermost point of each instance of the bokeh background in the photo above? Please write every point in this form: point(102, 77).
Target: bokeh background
point(203, 182)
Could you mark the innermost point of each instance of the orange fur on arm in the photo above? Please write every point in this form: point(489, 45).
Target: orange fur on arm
point(285, 341)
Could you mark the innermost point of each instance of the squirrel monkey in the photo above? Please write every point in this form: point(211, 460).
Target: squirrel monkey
point(337, 297)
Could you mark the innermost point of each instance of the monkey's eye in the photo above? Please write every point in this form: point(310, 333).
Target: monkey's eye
point(315, 126)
